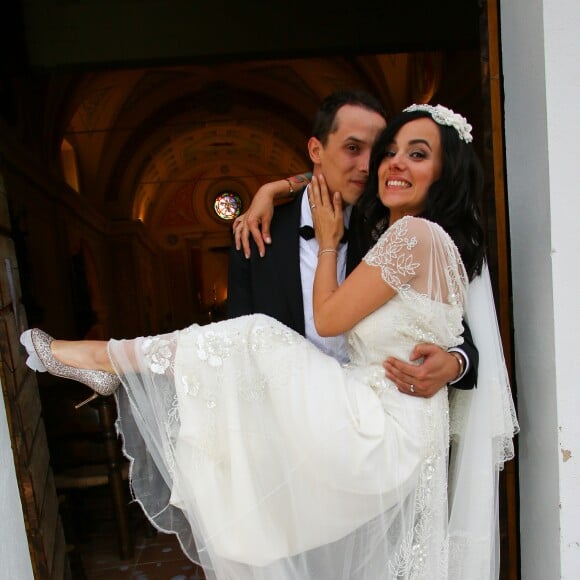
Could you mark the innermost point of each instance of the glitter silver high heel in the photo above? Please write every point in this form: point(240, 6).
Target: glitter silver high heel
point(37, 344)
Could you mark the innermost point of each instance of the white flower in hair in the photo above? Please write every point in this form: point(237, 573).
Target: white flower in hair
point(444, 116)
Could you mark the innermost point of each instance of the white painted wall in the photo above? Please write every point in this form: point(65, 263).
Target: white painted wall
point(14, 555)
point(541, 67)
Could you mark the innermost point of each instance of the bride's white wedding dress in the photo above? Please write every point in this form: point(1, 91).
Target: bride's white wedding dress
point(270, 460)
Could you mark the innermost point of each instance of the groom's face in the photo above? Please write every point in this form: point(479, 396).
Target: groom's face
point(344, 158)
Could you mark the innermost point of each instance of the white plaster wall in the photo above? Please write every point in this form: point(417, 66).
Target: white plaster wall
point(541, 56)
point(14, 555)
point(562, 57)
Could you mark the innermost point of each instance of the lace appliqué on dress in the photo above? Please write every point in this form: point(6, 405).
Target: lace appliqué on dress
point(394, 255)
point(419, 260)
point(417, 254)
point(158, 354)
point(411, 560)
point(210, 374)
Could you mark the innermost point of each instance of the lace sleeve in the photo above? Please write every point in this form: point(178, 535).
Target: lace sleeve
point(416, 254)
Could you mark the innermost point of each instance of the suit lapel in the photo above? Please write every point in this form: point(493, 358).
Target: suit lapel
point(354, 253)
point(287, 240)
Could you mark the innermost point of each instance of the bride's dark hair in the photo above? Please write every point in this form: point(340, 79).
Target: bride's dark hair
point(452, 200)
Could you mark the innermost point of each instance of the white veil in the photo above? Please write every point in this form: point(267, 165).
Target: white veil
point(483, 423)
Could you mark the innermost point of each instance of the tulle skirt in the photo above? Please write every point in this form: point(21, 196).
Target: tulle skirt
point(270, 460)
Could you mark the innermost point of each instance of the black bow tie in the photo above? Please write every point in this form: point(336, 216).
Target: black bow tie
point(307, 232)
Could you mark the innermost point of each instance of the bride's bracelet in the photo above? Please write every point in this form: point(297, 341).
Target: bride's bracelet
point(327, 251)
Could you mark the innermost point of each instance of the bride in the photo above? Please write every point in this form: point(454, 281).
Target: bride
point(269, 459)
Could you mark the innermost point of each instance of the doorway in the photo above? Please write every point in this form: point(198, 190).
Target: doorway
point(154, 145)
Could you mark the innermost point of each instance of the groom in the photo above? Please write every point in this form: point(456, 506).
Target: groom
point(280, 283)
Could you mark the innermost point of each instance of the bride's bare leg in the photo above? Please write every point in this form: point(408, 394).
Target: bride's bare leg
point(82, 354)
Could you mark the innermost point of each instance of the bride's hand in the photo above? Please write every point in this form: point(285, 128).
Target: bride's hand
point(326, 214)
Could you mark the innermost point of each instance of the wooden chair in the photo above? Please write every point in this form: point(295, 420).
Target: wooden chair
point(85, 453)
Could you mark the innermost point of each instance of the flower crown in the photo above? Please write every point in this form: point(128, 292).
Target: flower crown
point(444, 116)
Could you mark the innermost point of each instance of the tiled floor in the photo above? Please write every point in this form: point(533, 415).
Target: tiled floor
point(157, 556)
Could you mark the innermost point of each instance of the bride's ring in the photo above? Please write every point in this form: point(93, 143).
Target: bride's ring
point(312, 206)
point(412, 388)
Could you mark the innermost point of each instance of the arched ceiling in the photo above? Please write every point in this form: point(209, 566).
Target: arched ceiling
point(135, 132)
point(141, 135)
point(181, 102)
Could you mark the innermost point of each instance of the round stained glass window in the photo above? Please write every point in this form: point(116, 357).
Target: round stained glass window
point(227, 205)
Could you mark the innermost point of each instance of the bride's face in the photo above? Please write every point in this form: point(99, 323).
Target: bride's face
point(411, 164)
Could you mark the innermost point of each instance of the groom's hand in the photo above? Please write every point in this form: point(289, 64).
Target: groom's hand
point(436, 370)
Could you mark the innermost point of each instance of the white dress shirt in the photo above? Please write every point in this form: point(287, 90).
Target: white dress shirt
point(333, 345)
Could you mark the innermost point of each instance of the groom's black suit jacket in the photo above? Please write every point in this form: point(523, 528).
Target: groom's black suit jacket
point(272, 285)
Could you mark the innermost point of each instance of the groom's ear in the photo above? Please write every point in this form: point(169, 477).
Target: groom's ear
point(315, 150)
